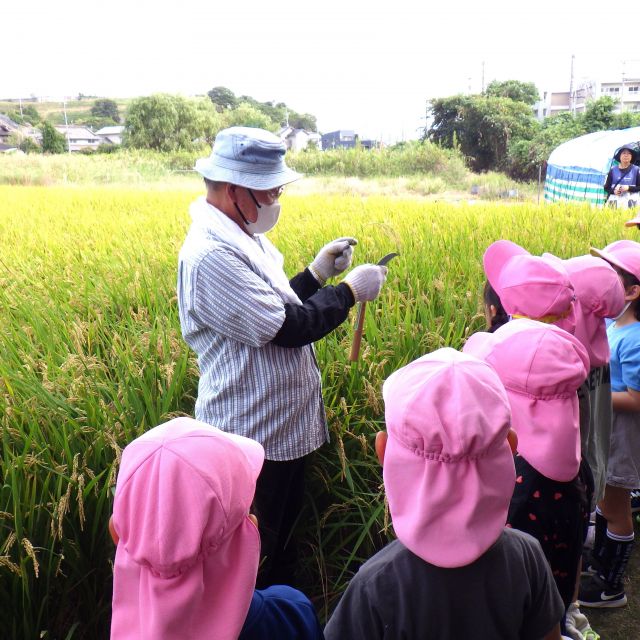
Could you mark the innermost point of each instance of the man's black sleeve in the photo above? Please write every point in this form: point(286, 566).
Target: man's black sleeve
point(322, 310)
point(304, 284)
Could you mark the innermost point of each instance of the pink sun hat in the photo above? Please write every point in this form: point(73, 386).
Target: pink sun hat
point(448, 469)
point(624, 254)
point(529, 286)
point(188, 555)
point(600, 295)
point(541, 367)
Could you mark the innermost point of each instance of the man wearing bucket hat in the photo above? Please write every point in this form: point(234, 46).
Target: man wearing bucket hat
point(187, 548)
point(455, 571)
point(252, 328)
point(614, 535)
point(623, 180)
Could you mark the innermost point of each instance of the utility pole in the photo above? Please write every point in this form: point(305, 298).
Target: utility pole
point(622, 88)
point(483, 76)
point(66, 124)
point(572, 106)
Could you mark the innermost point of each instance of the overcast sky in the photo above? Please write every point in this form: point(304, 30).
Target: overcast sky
point(364, 65)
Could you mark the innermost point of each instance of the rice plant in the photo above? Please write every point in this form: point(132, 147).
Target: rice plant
point(91, 356)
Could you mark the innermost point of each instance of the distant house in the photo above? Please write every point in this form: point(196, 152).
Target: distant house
point(111, 135)
point(78, 137)
point(346, 139)
point(299, 139)
point(341, 139)
point(7, 127)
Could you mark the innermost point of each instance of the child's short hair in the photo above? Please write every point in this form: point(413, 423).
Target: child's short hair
point(491, 298)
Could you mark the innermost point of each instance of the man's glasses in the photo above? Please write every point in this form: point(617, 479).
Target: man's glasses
point(272, 195)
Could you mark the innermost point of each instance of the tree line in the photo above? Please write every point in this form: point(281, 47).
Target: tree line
point(497, 130)
point(168, 123)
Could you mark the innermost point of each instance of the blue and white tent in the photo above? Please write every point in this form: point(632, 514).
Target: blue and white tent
point(578, 168)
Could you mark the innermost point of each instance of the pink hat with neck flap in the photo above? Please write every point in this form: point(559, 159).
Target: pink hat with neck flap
point(529, 286)
point(599, 295)
point(448, 469)
point(187, 558)
point(624, 254)
point(541, 367)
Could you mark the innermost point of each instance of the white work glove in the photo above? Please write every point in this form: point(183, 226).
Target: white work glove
point(366, 281)
point(333, 259)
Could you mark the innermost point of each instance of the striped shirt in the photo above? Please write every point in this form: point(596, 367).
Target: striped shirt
point(248, 386)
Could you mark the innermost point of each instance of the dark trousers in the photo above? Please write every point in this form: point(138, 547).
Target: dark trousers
point(277, 504)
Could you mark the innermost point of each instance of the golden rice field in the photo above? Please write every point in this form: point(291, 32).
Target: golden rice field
point(91, 355)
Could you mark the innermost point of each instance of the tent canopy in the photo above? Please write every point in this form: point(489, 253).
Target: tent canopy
point(578, 168)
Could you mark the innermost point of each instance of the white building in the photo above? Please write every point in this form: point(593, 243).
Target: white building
point(626, 93)
point(111, 135)
point(298, 139)
point(78, 137)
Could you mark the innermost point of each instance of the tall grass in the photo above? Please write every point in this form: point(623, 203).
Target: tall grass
point(91, 356)
point(423, 169)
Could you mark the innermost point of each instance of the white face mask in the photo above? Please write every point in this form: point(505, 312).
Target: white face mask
point(268, 215)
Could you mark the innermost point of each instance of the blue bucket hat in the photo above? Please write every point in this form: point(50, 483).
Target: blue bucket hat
point(247, 157)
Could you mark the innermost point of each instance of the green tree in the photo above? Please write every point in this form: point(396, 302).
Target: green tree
point(52, 140)
point(24, 142)
point(626, 119)
point(515, 89)
point(599, 114)
point(482, 127)
point(105, 108)
point(223, 98)
point(303, 121)
point(29, 145)
point(527, 156)
point(210, 121)
point(163, 122)
point(247, 115)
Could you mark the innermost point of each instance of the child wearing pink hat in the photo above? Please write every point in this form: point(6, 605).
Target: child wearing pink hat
point(614, 537)
point(541, 367)
point(455, 571)
point(529, 286)
point(599, 295)
point(187, 548)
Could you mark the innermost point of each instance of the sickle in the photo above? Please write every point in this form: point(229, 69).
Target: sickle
point(357, 335)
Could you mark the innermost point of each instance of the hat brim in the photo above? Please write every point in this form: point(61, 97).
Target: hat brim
point(633, 152)
point(260, 178)
point(464, 504)
point(610, 258)
point(633, 223)
point(496, 256)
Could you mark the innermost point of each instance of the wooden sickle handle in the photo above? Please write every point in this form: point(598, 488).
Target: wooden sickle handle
point(357, 335)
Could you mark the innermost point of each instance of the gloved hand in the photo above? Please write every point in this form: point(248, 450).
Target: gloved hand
point(366, 281)
point(333, 259)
